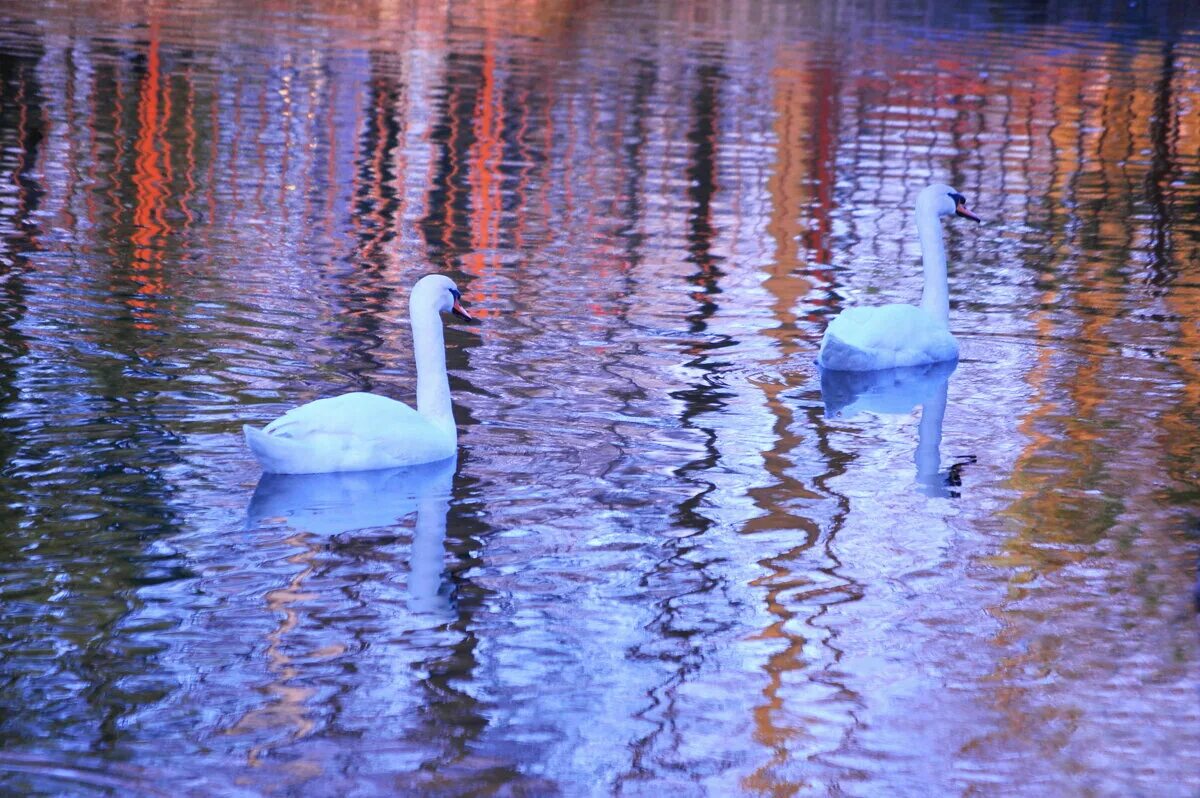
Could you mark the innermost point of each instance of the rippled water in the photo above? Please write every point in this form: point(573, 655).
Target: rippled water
point(668, 560)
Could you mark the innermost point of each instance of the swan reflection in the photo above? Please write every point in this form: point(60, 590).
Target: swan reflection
point(898, 391)
point(326, 505)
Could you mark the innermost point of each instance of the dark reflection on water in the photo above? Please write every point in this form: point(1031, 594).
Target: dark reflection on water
point(659, 564)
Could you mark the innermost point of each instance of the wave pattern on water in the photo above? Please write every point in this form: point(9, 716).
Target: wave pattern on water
point(660, 563)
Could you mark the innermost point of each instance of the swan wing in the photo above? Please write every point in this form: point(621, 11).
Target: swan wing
point(359, 415)
point(352, 432)
point(884, 337)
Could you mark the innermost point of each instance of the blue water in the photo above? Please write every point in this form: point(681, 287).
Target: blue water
point(669, 559)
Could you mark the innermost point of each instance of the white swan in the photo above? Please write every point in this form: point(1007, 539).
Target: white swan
point(362, 431)
point(897, 336)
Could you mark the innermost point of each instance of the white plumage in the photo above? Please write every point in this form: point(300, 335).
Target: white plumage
point(352, 432)
point(885, 337)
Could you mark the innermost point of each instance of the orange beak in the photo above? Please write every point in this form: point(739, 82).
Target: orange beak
point(461, 312)
point(961, 210)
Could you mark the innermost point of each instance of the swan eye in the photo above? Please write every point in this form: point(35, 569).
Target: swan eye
point(959, 199)
point(457, 296)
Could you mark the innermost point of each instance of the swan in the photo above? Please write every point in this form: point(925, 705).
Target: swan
point(897, 336)
point(364, 431)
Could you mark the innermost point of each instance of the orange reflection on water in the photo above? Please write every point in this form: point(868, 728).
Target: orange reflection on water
point(150, 178)
point(485, 178)
point(287, 715)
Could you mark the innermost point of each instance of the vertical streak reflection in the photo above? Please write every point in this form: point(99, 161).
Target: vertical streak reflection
point(802, 582)
point(682, 574)
point(150, 183)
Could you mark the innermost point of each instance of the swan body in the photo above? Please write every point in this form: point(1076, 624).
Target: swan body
point(885, 337)
point(363, 431)
point(902, 336)
point(352, 432)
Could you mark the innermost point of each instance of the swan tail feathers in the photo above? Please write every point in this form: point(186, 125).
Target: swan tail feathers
point(837, 355)
point(271, 451)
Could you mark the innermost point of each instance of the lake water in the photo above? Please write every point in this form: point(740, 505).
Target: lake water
point(668, 561)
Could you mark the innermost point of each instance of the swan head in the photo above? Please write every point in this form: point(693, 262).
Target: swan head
point(437, 292)
point(944, 201)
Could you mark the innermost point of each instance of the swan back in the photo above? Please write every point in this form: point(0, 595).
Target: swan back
point(352, 432)
point(885, 337)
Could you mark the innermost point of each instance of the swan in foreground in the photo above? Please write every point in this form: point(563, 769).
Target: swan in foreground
point(363, 431)
point(897, 336)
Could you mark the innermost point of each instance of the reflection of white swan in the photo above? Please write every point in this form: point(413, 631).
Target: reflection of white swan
point(330, 504)
point(893, 391)
point(363, 431)
point(896, 336)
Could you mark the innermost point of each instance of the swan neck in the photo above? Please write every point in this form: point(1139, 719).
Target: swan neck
point(429, 349)
point(935, 298)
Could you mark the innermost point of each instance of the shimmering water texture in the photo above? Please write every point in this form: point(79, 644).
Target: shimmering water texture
point(671, 559)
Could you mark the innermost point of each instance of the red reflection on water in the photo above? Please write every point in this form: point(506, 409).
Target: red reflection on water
point(150, 180)
point(485, 180)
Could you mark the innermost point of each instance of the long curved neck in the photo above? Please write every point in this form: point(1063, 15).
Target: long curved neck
point(935, 298)
point(429, 349)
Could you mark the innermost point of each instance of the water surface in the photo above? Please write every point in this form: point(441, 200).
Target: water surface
point(665, 562)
